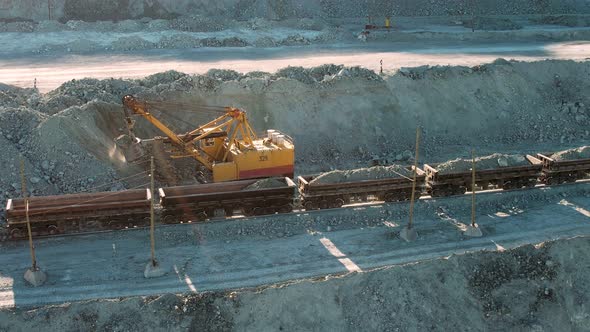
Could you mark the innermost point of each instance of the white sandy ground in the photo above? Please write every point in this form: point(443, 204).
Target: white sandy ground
point(413, 42)
point(221, 256)
point(52, 71)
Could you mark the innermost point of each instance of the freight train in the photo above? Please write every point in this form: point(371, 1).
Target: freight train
point(50, 215)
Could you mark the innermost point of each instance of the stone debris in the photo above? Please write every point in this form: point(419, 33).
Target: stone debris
point(362, 174)
point(573, 154)
point(493, 161)
point(197, 24)
point(565, 20)
point(179, 41)
point(267, 184)
point(131, 44)
point(326, 73)
point(224, 74)
point(50, 26)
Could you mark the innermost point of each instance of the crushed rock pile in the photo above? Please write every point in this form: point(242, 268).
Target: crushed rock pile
point(179, 33)
point(493, 161)
point(134, 42)
point(326, 73)
point(266, 184)
point(572, 154)
point(565, 20)
point(362, 174)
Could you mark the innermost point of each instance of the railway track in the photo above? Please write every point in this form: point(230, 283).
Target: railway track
point(320, 212)
point(129, 209)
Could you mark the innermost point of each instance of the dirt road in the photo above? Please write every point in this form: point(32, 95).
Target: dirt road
point(50, 71)
point(236, 254)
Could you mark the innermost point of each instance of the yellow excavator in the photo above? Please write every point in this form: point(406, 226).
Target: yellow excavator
point(227, 145)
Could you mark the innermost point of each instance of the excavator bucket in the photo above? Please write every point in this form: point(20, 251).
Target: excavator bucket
point(131, 148)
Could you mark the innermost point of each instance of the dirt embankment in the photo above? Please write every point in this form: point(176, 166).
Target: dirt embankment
point(509, 107)
point(541, 287)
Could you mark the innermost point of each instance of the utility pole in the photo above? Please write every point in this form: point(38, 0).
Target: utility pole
point(409, 233)
point(153, 268)
point(153, 240)
point(473, 230)
point(33, 275)
point(49, 9)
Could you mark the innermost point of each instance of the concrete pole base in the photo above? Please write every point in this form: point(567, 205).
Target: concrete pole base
point(408, 234)
point(152, 271)
point(35, 277)
point(473, 231)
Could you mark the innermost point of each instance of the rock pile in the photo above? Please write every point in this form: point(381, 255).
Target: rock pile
point(362, 174)
point(326, 73)
point(565, 20)
point(493, 161)
point(266, 184)
point(572, 154)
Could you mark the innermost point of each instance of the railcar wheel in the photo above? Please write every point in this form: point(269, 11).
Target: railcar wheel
point(508, 185)
point(114, 224)
point(53, 230)
point(229, 212)
point(390, 197)
point(247, 211)
point(202, 216)
point(16, 233)
point(286, 209)
point(271, 210)
point(337, 203)
point(309, 205)
point(170, 219)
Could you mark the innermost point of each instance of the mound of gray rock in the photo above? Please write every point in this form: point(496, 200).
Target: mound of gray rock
point(573, 154)
point(269, 183)
point(496, 160)
point(363, 174)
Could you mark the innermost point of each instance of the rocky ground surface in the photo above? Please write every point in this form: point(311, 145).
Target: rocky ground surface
point(181, 33)
point(28, 37)
point(93, 10)
point(535, 287)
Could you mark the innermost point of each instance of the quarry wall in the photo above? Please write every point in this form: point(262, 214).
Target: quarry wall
point(91, 10)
